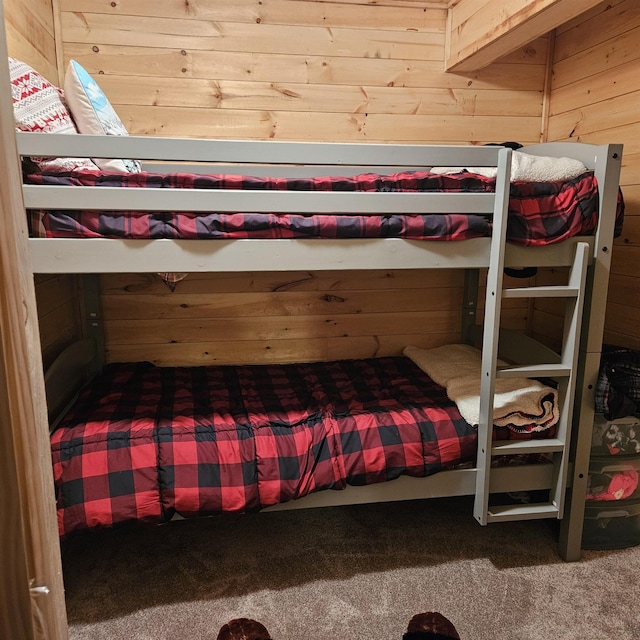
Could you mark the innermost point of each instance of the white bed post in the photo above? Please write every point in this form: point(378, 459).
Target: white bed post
point(563, 368)
point(607, 171)
point(491, 335)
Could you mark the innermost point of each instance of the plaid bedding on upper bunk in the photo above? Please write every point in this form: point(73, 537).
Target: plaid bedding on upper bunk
point(539, 213)
point(144, 442)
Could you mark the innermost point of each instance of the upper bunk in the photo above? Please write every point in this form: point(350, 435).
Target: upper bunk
point(196, 177)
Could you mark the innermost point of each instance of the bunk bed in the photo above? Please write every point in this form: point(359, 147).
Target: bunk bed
point(361, 430)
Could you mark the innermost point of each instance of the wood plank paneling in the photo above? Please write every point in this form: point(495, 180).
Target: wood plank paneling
point(261, 38)
point(595, 88)
point(624, 261)
point(213, 318)
point(59, 316)
point(625, 290)
point(216, 329)
point(30, 35)
point(287, 303)
point(602, 25)
point(283, 12)
point(297, 70)
point(604, 57)
point(290, 96)
point(620, 111)
point(312, 126)
point(308, 350)
point(622, 320)
point(104, 60)
point(272, 319)
point(594, 98)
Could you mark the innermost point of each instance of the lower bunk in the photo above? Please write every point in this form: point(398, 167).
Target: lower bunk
point(143, 444)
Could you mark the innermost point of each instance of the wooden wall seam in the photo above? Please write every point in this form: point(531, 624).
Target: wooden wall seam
point(546, 92)
point(57, 30)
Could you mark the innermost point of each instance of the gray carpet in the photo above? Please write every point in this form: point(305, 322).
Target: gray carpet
point(345, 573)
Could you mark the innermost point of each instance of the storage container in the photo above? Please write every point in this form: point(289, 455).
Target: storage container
point(620, 437)
point(611, 525)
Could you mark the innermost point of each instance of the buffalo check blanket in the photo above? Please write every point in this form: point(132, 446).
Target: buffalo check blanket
point(144, 442)
point(539, 213)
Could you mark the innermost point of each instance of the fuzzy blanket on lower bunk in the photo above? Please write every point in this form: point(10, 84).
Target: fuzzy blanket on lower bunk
point(143, 442)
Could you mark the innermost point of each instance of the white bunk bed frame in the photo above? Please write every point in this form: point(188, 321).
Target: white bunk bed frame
point(575, 368)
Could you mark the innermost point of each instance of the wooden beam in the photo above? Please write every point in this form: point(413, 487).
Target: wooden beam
point(482, 31)
point(31, 588)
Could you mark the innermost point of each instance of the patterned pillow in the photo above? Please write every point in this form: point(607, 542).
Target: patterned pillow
point(93, 114)
point(38, 106)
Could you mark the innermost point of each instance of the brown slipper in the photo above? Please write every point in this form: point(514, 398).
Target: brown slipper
point(243, 629)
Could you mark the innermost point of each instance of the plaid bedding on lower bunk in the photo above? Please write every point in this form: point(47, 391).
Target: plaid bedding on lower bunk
point(145, 442)
point(539, 213)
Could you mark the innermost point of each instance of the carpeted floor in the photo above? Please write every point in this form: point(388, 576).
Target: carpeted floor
point(345, 573)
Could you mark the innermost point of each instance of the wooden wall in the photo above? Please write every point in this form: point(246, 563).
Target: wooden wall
point(30, 29)
point(293, 70)
point(59, 313)
point(594, 98)
point(283, 317)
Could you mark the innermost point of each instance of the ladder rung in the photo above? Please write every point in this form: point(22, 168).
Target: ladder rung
point(521, 512)
point(534, 371)
point(511, 447)
point(541, 292)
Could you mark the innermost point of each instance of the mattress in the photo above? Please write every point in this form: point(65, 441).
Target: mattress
point(539, 212)
point(143, 443)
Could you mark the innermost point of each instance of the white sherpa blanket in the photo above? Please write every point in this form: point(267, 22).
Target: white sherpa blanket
point(520, 404)
point(528, 168)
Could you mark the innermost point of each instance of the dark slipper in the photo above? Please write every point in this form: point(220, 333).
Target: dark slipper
point(243, 629)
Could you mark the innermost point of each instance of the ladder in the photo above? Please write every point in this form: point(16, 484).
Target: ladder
point(563, 370)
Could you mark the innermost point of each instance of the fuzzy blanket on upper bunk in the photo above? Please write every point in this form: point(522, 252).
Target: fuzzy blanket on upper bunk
point(143, 442)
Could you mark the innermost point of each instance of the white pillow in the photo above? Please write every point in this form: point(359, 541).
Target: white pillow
point(94, 114)
point(529, 168)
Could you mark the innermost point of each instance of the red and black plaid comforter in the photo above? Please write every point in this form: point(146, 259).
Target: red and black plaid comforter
point(539, 213)
point(145, 442)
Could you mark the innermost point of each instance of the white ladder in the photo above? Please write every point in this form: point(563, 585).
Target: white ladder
point(563, 370)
